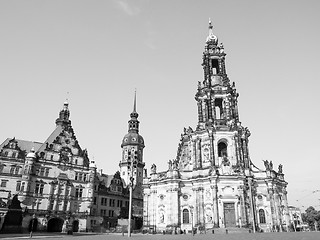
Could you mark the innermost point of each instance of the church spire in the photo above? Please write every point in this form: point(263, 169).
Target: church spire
point(133, 122)
point(135, 103)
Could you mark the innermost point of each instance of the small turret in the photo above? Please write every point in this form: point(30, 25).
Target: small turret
point(64, 115)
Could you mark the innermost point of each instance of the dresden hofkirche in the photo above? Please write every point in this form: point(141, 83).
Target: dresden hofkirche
point(212, 182)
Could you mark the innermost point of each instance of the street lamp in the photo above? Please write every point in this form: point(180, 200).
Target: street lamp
point(132, 166)
point(191, 211)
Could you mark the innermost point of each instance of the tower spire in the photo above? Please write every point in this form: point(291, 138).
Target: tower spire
point(133, 122)
point(135, 101)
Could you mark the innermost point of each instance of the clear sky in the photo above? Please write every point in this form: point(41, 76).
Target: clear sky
point(100, 51)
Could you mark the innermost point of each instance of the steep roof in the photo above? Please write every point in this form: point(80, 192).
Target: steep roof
point(51, 138)
point(23, 144)
point(106, 179)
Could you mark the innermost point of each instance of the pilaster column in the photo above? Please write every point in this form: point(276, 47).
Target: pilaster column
point(216, 219)
point(200, 112)
point(236, 209)
point(194, 143)
point(285, 203)
point(146, 217)
point(272, 207)
point(237, 149)
point(199, 153)
point(205, 110)
point(209, 103)
point(212, 148)
point(56, 197)
point(196, 206)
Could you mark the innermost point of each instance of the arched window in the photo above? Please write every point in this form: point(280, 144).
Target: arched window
point(222, 149)
point(185, 216)
point(218, 107)
point(262, 216)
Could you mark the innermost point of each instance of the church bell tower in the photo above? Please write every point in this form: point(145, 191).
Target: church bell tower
point(216, 97)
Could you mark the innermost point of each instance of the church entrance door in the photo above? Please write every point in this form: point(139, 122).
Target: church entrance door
point(229, 215)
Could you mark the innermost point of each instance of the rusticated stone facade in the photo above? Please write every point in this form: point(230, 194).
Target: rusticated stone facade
point(212, 182)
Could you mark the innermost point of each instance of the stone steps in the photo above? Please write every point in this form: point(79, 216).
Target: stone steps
point(229, 230)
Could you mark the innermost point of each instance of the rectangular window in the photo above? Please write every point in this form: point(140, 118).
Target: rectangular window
point(12, 170)
point(111, 212)
point(102, 201)
point(94, 200)
point(36, 190)
point(47, 172)
point(3, 183)
point(22, 187)
point(18, 186)
point(76, 177)
point(78, 192)
point(41, 189)
point(41, 171)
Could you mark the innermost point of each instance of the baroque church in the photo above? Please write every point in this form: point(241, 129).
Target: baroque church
point(212, 182)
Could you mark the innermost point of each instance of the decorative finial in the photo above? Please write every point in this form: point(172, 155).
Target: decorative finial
point(67, 98)
point(66, 102)
point(211, 37)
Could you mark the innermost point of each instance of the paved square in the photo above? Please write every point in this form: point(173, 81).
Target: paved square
point(232, 236)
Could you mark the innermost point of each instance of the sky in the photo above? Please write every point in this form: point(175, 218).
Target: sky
point(96, 53)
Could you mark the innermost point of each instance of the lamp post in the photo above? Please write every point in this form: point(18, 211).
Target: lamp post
point(132, 166)
point(191, 211)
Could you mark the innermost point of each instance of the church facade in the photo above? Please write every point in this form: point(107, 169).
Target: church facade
point(212, 182)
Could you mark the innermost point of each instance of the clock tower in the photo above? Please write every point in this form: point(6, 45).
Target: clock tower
point(132, 151)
